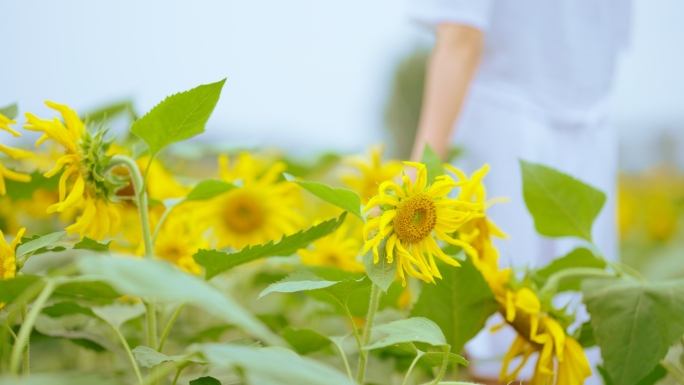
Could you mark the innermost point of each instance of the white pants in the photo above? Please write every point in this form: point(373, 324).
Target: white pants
point(495, 131)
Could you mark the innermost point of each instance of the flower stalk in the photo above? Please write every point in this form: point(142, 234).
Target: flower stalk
point(376, 293)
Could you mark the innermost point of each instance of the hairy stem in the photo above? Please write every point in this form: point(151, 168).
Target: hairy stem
point(127, 348)
point(376, 292)
point(445, 363)
point(346, 362)
point(169, 325)
point(410, 369)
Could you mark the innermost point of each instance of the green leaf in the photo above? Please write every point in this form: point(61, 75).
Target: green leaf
point(462, 291)
point(273, 366)
point(10, 289)
point(437, 358)
point(149, 357)
point(634, 323)
point(305, 341)
point(205, 381)
point(117, 314)
point(305, 280)
point(88, 288)
point(110, 111)
point(157, 279)
point(208, 189)
point(415, 329)
point(38, 243)
point(383, 272)
point(66, 308)
point(216, 262)
point(90, 244)
point(586, 336)
point(59, 379)
point(21, 190)
point(579, 257)
point(179, 117)
point(10, 111)
point(561, 205)
point(345, 199)
point(433, 163)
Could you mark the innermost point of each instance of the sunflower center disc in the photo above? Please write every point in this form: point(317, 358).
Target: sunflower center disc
point(416, 217)
point(243, 213)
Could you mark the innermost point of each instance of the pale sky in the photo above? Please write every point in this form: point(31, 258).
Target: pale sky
point(301, 74)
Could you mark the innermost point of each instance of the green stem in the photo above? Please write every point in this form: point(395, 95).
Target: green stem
point(410, 369)
point(127, 347)
point(151, 323)
point(169, 325)
point(445, 363)
point(346, 362)
point(27, 326)
point(674, 372)
point(175, 378)
point(354, 328)
point(376, 292)
point(26, 363)
point(551, 285)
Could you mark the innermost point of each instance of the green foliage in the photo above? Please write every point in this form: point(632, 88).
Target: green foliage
point(10, 111)
point(11, 289)
point(205, 381)
point(305, 281)
point(216, 262)
point(433, 163)
point(560, 204)
point(149, 357)
point(21, 190)
point(65, 308)
point(461, 291)
point(415, 329)
point(179, 117)
point(93, 245)
point(305, 341)
point(117, 314)
point(59, 379)
point(208, 189)
point(38, 244)
point(274, 366)
point(345, 199)
point(110, 111)
point(382, 273)
point(157, 279)
point(634, 323)
point(579, 257)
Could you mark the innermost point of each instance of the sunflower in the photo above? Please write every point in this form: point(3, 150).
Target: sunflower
point(13, 153)
point(178, 240)
point(259, 209)
point(538, 332)
point(339, 249)
point(373, 172)
point(84, 164)
point(412, 217)
point(8, 262)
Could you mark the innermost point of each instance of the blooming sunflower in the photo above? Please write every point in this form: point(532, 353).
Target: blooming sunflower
point(178, 240)
point(373, 172)
point(85, 164)
point(13, 153)
point(537, 332)
point(262, 209)
point(412, 217)
point(339, 249)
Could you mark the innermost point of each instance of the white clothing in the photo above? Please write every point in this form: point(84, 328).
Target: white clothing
point(540, 95)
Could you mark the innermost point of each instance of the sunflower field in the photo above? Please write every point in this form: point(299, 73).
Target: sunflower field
point(124, 262)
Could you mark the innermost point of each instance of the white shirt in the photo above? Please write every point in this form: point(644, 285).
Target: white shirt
point(540, 94)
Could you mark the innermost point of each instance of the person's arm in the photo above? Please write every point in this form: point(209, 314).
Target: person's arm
point(451, 67)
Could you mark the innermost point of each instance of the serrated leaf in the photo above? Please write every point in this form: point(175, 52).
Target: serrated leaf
point(634, 323)
point(149, 357)
point(179, 117)
point(65, 308)
point(273, 366)
point(305, 341)
point(22, 190)
point(382, 273)
point(144, 278)
point(305, 281)
point(433, 163)
point(216, 262)
point(10, 289)
point(561, 205)
point(415, 329)
point(207, 380)
point(117, 314)
point(208, 189)
point(461, 291)
point(579, 257)
point(10, 111)
point(345, 199)
point(38, 243)
point(91, 244)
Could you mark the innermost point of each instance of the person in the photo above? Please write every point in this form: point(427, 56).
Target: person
point(530, 80)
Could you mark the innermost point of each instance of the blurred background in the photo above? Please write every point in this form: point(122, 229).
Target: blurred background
point(312, 76)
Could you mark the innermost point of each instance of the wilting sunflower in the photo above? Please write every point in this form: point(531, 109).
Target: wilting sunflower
point(373, 172)
point(13, 153)
point(84, 164)
point(339, 249)
point(261, 209)
point(178, 240)
point(412, 217)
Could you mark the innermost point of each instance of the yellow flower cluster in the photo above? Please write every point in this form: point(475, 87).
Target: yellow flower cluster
point(13, 153)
